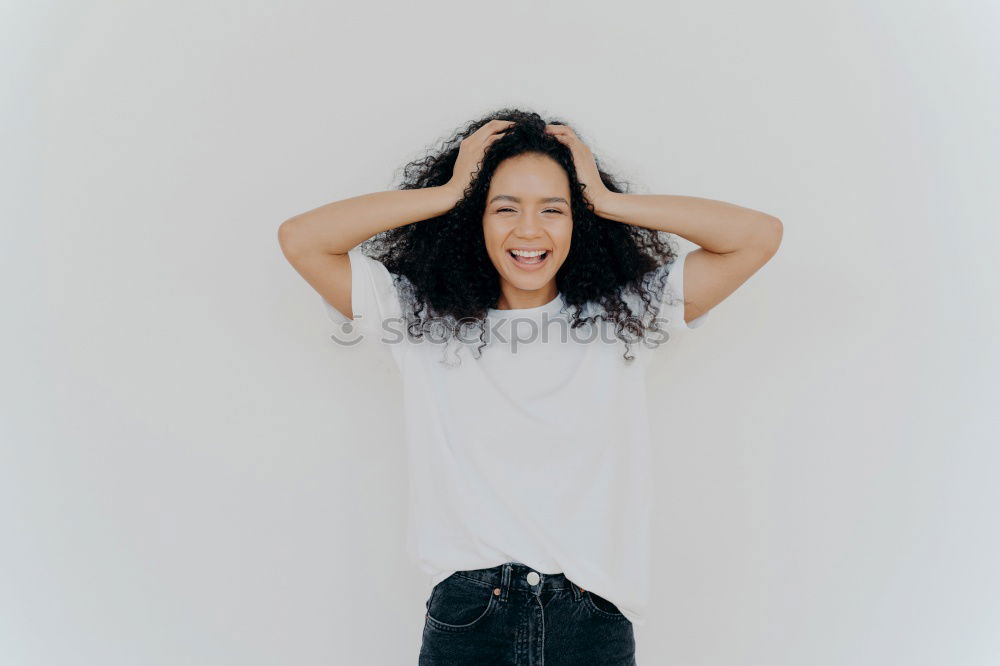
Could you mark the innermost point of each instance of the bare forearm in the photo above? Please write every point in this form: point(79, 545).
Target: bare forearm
point(716, 226)
point(337, 227)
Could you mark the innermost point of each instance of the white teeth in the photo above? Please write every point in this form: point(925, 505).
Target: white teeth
point(525, 253)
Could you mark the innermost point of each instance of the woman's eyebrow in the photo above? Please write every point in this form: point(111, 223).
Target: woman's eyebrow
point(507, 197)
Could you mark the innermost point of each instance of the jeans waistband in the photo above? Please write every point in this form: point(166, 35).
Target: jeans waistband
point(514, 576)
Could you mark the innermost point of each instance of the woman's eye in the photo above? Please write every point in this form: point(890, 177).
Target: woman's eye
point(554, 210)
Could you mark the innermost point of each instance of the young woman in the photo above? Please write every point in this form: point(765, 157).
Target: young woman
point(521, 293)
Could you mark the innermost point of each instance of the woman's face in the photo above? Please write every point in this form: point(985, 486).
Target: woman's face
point(527, 208)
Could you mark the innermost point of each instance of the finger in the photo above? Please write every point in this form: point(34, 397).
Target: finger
point(492, 127)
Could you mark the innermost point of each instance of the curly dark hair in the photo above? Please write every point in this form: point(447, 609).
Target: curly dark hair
point(442, 264)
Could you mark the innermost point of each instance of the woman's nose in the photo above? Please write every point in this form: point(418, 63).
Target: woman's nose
point(529, 226)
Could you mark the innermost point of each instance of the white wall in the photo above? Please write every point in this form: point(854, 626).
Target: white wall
point(192, 473)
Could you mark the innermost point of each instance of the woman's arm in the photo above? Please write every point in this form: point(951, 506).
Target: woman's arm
point(316, 242)
point(717, 226)
point(735, 241)
point(337, 227)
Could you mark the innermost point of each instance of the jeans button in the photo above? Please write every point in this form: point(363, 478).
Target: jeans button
point(533, 578)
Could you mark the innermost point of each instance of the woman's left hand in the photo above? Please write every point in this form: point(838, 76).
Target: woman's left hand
point(586, 166)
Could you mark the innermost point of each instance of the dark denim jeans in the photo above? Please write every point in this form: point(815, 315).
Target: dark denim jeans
point(511, 614)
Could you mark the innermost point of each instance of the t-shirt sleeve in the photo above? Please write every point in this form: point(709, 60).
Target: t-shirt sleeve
point(375, 301)
point(672, 304)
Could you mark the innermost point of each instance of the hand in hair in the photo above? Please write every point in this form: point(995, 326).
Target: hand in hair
point(471, 151)
point(583, 159)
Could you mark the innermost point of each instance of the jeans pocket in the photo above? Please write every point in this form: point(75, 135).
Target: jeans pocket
point(601, 606)
point(459, 604)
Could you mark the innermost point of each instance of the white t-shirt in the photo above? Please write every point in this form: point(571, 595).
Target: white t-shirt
point(536, 452)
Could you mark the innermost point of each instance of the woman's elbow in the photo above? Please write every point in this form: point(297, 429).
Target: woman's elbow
point(289, 237)
point(771, 234)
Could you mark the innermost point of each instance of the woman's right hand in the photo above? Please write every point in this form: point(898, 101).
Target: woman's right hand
point(471, 151)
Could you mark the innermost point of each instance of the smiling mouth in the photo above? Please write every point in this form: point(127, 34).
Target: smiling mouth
point(529, 261)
